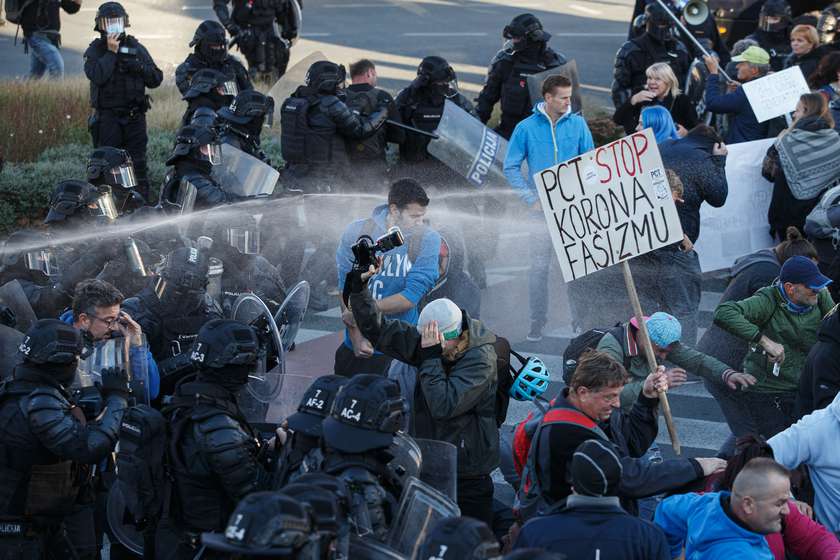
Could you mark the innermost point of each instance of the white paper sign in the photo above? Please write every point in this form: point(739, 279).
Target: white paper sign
point(776, 94)
point(608, 205)
point(740, 226)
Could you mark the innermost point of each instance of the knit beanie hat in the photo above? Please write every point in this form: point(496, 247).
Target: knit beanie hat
point(664, 329)
point(446, 313)
point(596, 469)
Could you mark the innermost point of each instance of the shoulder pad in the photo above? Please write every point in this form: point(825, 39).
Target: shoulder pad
point(627, 48)
point(209, 419)
point(552, 58)
point(501, 56)
point(44, 398)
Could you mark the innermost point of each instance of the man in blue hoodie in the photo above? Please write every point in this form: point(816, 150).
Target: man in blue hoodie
point(720, 525)
point(406, 275)
point(552, 135)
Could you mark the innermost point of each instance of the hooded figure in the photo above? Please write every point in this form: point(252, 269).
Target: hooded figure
point(210, 51)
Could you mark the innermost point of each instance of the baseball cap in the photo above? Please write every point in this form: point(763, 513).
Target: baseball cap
point(448, 316)
point(754, 55)
point(316, 405)
point(460, 538)
point(663, 329)
point(596, 469)
point(365, 415)
point(802, 270)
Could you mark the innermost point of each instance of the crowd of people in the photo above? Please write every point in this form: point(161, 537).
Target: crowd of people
point(139, 412)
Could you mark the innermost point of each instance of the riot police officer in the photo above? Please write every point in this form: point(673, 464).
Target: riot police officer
point(171, 309)
point(114, 168)
point(120, 69)
point(28, 259)
point(210, 51)
point(773, 32)
point(525, 53)
point(208, 88)
point(253, 26)
point(241, 123)
point(215, 457)
point(315, 122)
point(47, 449)
point(189, 184)
point(657, 44)
point(827, 26)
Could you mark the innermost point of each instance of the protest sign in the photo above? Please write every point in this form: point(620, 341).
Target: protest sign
point(608, 205)
point(739, 227)
point(776, 94)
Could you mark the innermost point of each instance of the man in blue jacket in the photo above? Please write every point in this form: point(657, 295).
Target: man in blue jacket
point(551, 135)
point(407, 273)
point(752, 64)
point(720, 525)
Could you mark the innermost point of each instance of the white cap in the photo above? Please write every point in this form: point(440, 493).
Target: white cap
point(446, 313)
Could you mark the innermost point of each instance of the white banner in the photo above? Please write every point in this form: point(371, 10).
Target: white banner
point(740, 226)
point(608, 205)
point(776, 94)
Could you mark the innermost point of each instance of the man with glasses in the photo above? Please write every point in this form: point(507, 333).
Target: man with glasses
point(780, 322)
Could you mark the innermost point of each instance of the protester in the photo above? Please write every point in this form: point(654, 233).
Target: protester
point(531, 142)
point(820, 380)
point(826, 80)
point(752, 64)
point(591, 521)
point(804, 41)
point(722, 525)
point(800, 164)
point(659, 120)
point(41, 24)
point(812, 442)
point(780, 322)
point(662, 88)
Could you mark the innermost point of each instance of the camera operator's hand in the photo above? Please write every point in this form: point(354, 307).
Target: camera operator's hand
point(113, 42)
point(431, 336)
point(115, 382)
point(372, 270)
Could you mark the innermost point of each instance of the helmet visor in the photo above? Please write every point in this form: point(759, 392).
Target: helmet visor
point(111, 25)
point(245, 240)
point(211, 153)
point(105, 207)
point(448, 89)
point(228, 88)
point(42, 260)
point(124, 176)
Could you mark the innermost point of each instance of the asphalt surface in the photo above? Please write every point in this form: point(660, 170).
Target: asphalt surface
point(395, 34)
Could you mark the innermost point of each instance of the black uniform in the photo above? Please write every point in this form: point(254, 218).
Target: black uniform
point(48, 450)
point(118, 83)
point(252, 25)
point(192, 159)
point(241, 123)
point(210, 51)
point(45, 295)
point(774, 37)
point(211, 89)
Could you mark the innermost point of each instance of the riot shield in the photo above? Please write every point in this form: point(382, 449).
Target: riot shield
point(265, 382)
point(570, 71)
point(243, 175)
point(106, 354)
point(297, 13)
point(12, 294)
point(115, 512)
point(294, 77)
point(10, 339)
point(439, 468)
point(421, 507)
point(468, 147)
point(291, 312)
point(368, 549)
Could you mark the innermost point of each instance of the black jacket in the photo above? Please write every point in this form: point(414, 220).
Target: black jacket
point(777, 45)
point(421, 108)
point(681, 108)
point(44, 16)
point(230, 67)
point(454, 401)
point(367, 99)
point(807, 63)
point(119, 80)
point(820, 380)
point(258, 13)
point(633, 59)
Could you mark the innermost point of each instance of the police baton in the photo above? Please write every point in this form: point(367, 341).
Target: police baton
point(412, 129)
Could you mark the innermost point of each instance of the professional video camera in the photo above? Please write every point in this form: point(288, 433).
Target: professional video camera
point(366, 249)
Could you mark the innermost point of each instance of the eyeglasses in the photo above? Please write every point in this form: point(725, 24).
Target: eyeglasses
point(110, 323)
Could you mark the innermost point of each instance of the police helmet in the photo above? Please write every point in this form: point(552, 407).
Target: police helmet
point(197, 143)
point(207, 80)
point(437, 69)
point(204, 117)
point(50, 341)
point(73, 196)
point(224, 342)
point(185, 269)
point(776, 9)
point(111, 17)
point(211, 32)
point(526, 26)
point(247, 106)
point(111, 166)
point(327, 513)
point(334, 485)
point(658, 23)
point(325, 76)
point(28, 249)
point(464, 538)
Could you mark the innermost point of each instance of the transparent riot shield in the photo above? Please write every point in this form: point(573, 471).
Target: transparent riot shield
point(295, 76)
point(469, 148)
point(368, 549)
point(291, 312)
point(570, 71)
point(439, 468)
point(115, 513)
point(297, 13)
point(12, 294)
point(421, 507)
point(243, 175)
point(292, 389)
point(10, 340)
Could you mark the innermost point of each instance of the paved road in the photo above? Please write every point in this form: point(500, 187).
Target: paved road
point(396, 34)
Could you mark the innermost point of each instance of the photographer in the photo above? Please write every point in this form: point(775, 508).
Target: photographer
point(408, 272)
point(120, 69)
point(455, 390)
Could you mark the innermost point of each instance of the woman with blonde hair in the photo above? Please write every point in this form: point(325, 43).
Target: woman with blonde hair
point(661, 88)
point(804, 41)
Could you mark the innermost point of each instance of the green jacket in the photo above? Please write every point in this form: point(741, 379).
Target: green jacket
point(627, 353)
point(766, 313)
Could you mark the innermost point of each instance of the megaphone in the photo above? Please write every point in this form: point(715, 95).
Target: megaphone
point(695, 12)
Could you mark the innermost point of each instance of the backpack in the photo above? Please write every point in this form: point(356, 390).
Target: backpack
point(586, 341)
point(15, 9)
point(294, 126)
point(365, 104)
point(819, 222)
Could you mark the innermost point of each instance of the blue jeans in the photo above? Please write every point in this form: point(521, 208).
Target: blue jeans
point(541, 253)
point(44, 56)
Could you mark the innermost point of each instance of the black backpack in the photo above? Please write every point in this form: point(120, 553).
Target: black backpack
point(294, 125)
point(140, 462)
point(365, 104)
point(586, 341)
point(15, 9)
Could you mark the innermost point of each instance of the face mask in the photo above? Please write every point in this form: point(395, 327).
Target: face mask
point(112, 25)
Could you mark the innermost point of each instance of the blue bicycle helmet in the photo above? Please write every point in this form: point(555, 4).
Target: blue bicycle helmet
point(531, 379)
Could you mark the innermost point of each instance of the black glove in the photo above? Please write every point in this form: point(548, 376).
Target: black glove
point(233, 29)
point(115, 382)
